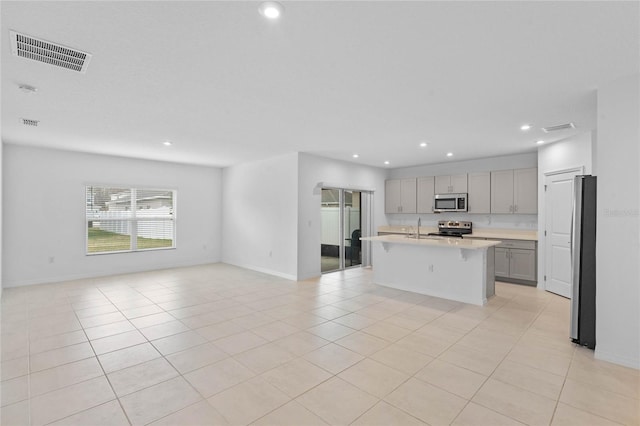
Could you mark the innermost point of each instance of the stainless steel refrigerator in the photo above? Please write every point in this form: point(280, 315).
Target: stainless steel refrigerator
point(583, 262)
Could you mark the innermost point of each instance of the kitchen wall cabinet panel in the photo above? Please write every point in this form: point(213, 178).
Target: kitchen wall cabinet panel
point(400, 196)
point(479, 198)
point(426, 191)
point(525, 191)
point(514, 191)
point(454, 184)
point(392, 196)
point(502, 191)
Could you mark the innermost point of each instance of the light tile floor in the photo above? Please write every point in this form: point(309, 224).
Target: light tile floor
point(217, 344)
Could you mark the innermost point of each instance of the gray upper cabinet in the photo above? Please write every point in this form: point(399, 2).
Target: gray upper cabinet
point(400, 196)
point(425, 194)
point(525, 191)
point(479, 198)
point(451, 184)
point(502, 191)
point(514, 191)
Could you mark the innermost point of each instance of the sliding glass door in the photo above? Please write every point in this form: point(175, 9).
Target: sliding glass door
point(352, 222)
point(344, 220)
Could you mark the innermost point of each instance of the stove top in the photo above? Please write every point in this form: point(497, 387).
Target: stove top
point(452, 228)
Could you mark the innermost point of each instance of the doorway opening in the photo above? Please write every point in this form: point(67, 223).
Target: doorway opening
point(345, 215)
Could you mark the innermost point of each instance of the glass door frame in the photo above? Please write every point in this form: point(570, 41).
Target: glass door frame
point(366, 221)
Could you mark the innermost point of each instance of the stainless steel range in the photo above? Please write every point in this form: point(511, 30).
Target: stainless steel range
point(453, 228)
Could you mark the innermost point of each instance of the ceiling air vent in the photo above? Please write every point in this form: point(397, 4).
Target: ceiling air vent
point(558, 127)
point(29, 122)
point(50, 53)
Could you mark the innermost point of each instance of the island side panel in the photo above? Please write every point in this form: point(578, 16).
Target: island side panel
point(491, 272)
point(448, 273)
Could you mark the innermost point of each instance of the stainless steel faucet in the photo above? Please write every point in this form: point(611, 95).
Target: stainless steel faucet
point(418, 233)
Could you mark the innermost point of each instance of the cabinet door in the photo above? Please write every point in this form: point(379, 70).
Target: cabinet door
point(502, 191)
point(479, 198)
point(522, 264)
point(408, 195)
point(442, 184)
point(525, 191)
point(425, 194)
point(392, 196)
point(502, 262)
point(459, 183)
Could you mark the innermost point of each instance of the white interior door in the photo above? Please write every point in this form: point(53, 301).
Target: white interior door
point(559, 208)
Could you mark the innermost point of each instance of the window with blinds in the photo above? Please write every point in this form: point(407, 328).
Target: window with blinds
point(129, 219)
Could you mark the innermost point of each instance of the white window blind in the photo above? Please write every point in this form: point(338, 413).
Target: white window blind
point(129, 219)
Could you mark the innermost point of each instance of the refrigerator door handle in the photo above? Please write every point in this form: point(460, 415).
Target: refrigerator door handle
point(576, 225)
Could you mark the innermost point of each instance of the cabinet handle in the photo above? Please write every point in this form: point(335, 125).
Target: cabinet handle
point(515, 208)
point(511, 209)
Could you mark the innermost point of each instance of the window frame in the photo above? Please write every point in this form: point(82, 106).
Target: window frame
point(133, 243)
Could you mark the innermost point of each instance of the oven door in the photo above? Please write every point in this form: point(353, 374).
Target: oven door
point(445, 203)
point(450, 203)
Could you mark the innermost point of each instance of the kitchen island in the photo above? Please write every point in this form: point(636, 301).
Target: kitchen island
point(450, 268)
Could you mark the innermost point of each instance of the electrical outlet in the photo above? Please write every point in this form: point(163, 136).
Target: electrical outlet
point(52, 259)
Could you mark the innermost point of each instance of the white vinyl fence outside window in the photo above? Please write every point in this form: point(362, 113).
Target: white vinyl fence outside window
point(129, 219)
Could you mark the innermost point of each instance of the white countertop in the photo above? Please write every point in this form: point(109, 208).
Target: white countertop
point(498, 234)
point(458, 243)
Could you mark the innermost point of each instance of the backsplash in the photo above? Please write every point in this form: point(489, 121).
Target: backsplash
point(497, 221)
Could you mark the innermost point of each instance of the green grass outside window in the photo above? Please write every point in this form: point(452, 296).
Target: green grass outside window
point(105, 241)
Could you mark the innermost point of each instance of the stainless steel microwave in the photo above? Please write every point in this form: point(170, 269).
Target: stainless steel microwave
point(450, 203)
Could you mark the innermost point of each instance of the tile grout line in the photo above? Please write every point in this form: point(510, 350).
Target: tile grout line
point(504, 358)
point(100, 364)
point(284, 294)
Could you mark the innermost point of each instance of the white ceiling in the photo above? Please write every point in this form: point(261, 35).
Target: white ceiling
point(330, 78)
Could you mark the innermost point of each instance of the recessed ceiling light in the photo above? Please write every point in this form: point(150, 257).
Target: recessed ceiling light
point(539, 142)
point(271, 9)
point(355, 156)
point(423, 145)
point(386, 162)
point(167, 143)
point(449, 154)
point(525, 127)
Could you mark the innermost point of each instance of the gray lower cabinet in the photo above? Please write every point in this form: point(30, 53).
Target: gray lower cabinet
point(502, 262)
point(516, 261)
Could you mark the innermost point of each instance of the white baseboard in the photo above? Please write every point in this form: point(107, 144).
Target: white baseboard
point(616, 359)
point(106, 273)
point(263, 270)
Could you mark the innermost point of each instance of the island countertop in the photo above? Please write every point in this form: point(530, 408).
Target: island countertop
point(491, 233)
point(458, 243)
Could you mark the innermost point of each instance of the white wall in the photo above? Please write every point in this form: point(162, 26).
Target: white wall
point(313, 170)
point(516, 221)
point(260, 216)
point(572, 153)
point(1, 227)
point(44, 214)
point(520, 161)
point(618, 223)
